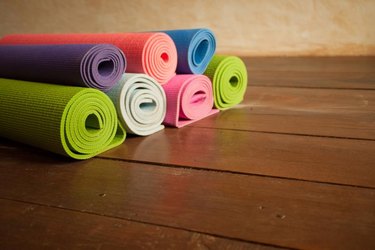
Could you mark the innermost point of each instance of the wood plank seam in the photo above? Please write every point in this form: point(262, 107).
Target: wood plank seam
point(304, 87)
point(285, 133)
point(229, 172)
point(147, 223)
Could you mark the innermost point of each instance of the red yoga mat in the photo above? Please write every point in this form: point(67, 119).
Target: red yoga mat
point(189, 99)
point(151, 53)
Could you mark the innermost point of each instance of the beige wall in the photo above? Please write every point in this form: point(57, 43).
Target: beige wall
point(252, 27)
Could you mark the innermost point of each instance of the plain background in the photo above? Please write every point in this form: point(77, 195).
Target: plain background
point(242, 27)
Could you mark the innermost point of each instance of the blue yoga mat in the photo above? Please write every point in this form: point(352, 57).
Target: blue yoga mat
point(195, 48)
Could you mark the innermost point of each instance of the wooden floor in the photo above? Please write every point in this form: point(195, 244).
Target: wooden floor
point(293, 166)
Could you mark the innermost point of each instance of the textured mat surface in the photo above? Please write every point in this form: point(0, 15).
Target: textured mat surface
point(96, 66)
point(195, 48)
point(229, 80)
point(140, 103)
point(71, 121)
point(189, 99)
point(151, 53)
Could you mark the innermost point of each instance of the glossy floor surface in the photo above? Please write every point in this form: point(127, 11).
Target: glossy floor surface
point(293, 166)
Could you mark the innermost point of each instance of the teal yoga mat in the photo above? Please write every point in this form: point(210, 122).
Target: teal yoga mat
point(72, 121)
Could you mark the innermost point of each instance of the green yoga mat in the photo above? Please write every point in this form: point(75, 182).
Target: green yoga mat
point(72, 121)
point(229, 80)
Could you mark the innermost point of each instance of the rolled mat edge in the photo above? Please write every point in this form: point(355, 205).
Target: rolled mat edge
point(189, 99)
point(229, 80)
point(153, 53)
point(97, 66)
point(140, 102)
point(195, 48)
point(71, 121)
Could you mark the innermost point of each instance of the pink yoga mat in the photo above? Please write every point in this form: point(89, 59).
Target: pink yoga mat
point(189, 99)
point(151, 53)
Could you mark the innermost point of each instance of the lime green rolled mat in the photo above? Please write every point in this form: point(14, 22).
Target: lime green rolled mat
point(72, 121)
point(229, 80)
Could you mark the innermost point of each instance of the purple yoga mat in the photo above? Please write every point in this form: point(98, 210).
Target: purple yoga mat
point(97, 66)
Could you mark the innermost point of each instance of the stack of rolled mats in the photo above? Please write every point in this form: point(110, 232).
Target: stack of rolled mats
point(78, 95)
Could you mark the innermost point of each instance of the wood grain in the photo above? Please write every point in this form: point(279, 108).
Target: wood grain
point(312, 72)
point(32, 226)
point(317, 64)
point(319, 112)
point(264, 210)
point(323, 80)
point(292, 166)
point(300, 157)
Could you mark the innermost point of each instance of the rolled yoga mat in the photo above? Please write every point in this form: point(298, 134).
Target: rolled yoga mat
point(151, 53)
point(189, 99)
point(96, 66)
point(229, 80)
point(140, 103)
point(195, 48)
point(72, 121)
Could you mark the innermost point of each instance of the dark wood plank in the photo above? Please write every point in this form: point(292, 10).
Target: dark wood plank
point(300, 157)
point(330, 80)
point(312, 72)
point(312, 100)
point(312, 64)
point(31, 226)
point(280, 212)
point(276, 170)
point(321, 112)
point(331, 160)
